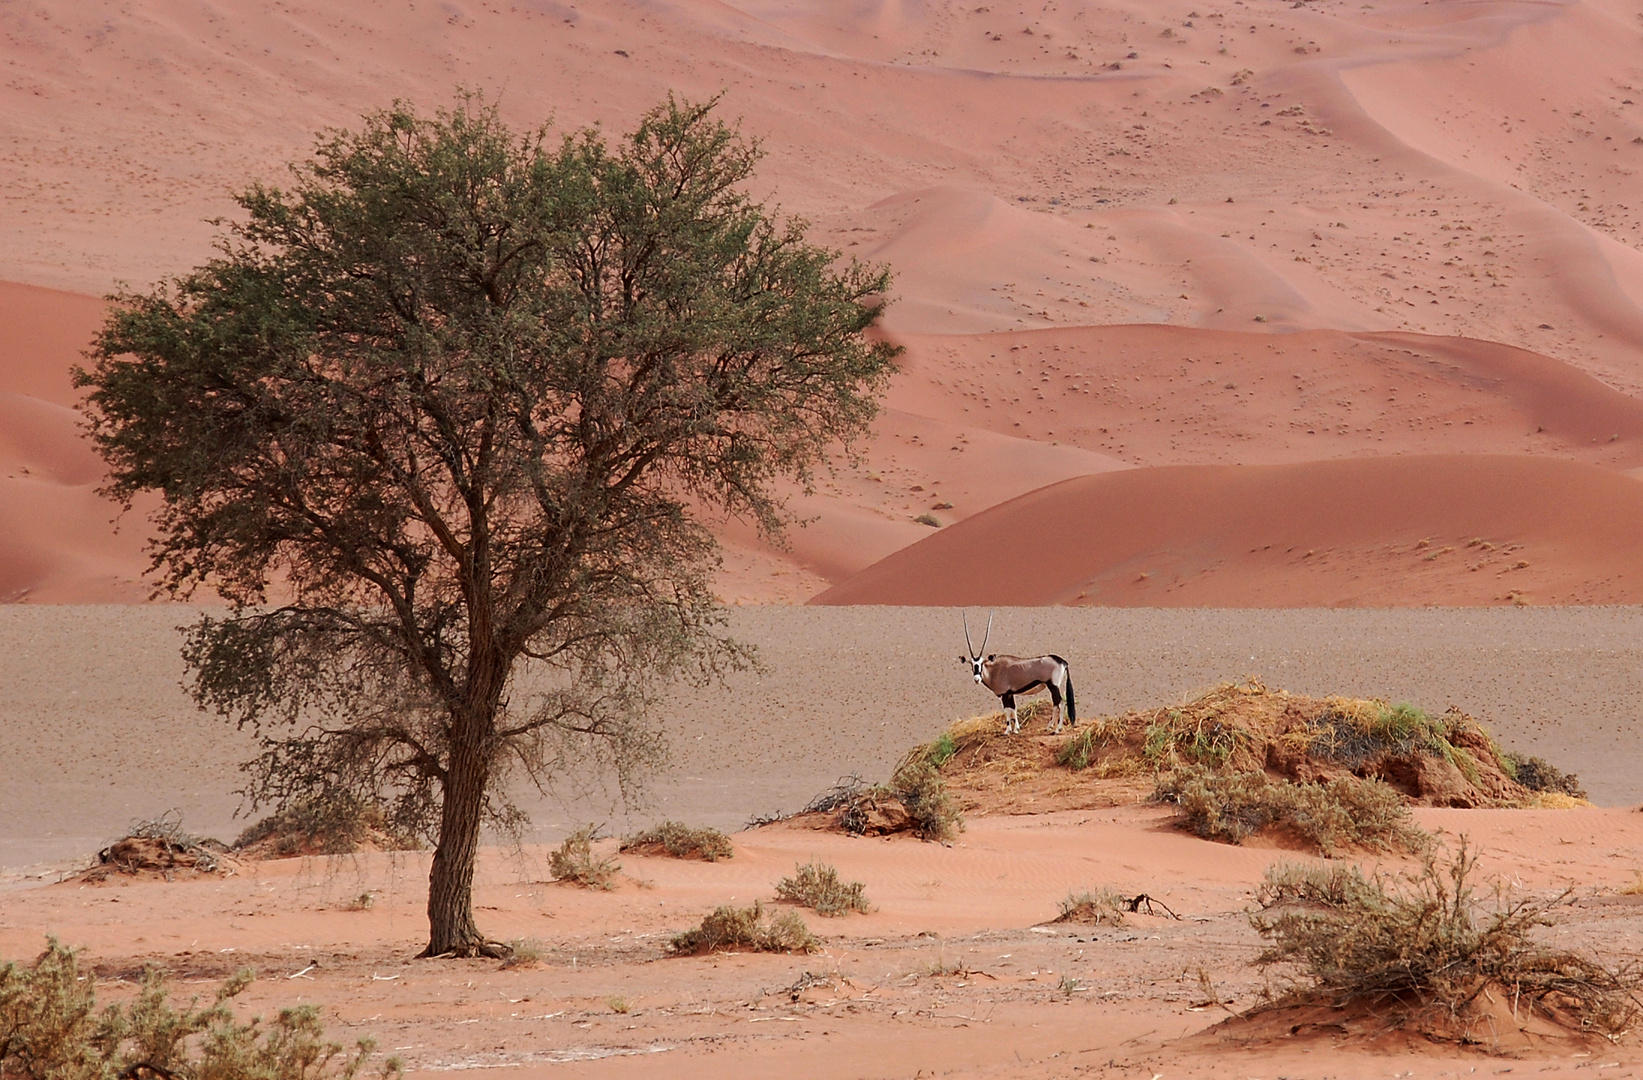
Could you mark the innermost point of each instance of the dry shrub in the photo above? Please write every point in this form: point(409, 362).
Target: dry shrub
point(1345, 812)
point(574, 862)
point(336, 823)
point(680, 841)
point(51, 1029)
point(1427, 942)
point(1541, 776)
point(1103, 908)
point(752, 928)
point(163, 846)
point(817, 886)
point(918, 784)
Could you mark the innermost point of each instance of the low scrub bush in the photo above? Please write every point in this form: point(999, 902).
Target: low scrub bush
point(935, 813)
point(1541, 776)
point(817, 886)
point(575, 863)
point(1428, 941)
point(1345, 812)
point(681, 842)
point(752, 928)
point(332, 824)
point(1102, 908)
point(52, 1029)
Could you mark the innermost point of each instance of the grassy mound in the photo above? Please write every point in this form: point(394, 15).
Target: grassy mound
point(679, 841)
point(751, 928)
point(916, 800)
point(334, 824)
point(1424, 952)
point(1445, 760)
point(817, 886)
point(1104, 907)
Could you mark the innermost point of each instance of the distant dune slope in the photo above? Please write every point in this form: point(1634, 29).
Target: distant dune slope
point(1452, 529)
point(58, 541)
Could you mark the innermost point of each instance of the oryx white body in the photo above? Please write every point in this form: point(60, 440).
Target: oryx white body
point(1008, 676)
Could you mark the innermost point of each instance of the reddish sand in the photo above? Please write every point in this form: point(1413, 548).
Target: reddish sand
point(955, 972)
point(1107, 223)
point(1467, 529)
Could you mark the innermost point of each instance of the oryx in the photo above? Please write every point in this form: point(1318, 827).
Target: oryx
point(1008, 676)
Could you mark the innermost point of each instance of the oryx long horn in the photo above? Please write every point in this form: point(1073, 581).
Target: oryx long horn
point(988, 634)
point(971, 649)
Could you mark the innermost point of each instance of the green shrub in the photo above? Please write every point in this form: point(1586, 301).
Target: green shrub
point(575, 863)
point(1346, 812)
point(1538, 774)
point(1427, 940)
point(746, 928)
point(817, 886)
point(51, 1029)
point(935, 813)
point(681, 842)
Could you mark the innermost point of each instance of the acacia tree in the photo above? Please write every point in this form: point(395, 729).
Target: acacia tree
point(442, 412)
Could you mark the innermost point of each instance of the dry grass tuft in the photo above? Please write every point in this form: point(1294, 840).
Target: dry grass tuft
point(817, 886)
point(733, 928)
point(52, 1029)
point(574, 862)
point(1344, 813)
point(1103, 908)
point(680, 841)
point(334, 824)
point(1427, 943)
point(935, 813)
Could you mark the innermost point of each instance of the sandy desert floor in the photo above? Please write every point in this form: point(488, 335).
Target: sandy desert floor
point(1285, 306)
point(96, 733)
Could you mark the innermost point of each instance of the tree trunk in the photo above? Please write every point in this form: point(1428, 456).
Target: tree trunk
point(451, 927)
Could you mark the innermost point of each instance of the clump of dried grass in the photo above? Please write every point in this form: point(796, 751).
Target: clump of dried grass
point(333, 824)
point(730, 928)
point(1428, 942)
point(681, 841)
point(1103, 907)
point(575, 863)
point(1347, 812)
point(52, 1029)
point(817, 886)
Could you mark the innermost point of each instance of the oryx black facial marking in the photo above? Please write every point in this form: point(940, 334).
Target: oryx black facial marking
point(1008, 676)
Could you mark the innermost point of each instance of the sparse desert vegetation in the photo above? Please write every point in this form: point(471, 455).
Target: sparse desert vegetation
point(576, 863)
point(818, 886)
point(1425, 948)
point(335, 823)
point(754, 929)
point(1341, 814)
point(51, 1027)
point(679, 841)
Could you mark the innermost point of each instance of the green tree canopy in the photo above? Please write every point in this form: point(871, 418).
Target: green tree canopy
point(451, 407)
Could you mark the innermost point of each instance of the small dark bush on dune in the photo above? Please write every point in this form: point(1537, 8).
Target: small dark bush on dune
point(751, 928)
point(680, 841)
point(575, 863)
point(918, 784)
point(51, 1029)
point(1428, 943)
point(817, 886)
point(1345, 812)
point(1539, 775)
point(333, 824)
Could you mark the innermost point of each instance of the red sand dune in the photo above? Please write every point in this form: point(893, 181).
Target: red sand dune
point(1455, 529)
point(1119, 230)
